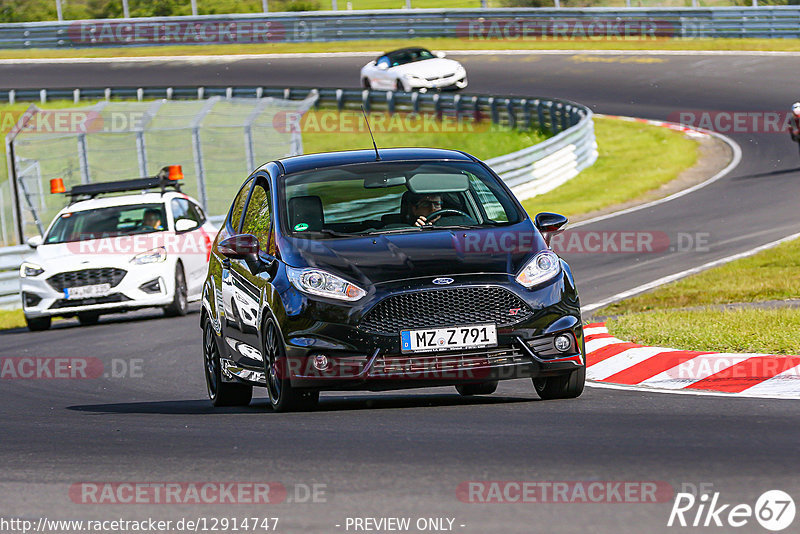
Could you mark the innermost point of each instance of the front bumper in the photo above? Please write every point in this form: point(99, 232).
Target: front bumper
point(41, 299)
point(362, 359)
point(451, 82)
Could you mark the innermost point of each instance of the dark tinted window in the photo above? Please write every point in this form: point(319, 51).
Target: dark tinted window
point(389, 196)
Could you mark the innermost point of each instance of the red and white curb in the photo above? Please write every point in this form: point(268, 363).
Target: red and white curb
point(688, 130)
point(616, 362)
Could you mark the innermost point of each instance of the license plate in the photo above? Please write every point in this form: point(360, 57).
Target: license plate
point(83, 292)
point(450, 338)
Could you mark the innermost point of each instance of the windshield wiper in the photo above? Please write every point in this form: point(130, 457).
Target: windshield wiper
point(451, 226)
point(393, 230)
point(334, 233)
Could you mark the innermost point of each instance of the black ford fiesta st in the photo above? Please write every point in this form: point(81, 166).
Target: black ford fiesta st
point(405, 268)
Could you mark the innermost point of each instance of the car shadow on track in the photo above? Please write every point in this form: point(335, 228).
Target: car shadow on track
point(770, 174)
point(326, 404)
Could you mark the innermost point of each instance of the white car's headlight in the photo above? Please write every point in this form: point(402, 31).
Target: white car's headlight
point(324, 284)
point(541, 268)
point(154, 255)
point(28, 269)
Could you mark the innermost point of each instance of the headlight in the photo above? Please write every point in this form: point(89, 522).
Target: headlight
point(324, 284)
point(541, 268)
point(28, 269)
point(155, 255)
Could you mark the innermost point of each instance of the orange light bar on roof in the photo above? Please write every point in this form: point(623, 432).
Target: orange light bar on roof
point(175, 172)
point(57, 186)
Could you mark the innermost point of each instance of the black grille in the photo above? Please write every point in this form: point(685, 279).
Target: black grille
point(464, 365)
point(86, 277)
point(446, 307)
point(65, 303)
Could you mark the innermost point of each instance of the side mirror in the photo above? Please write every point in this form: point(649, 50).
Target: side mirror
point(550, 224)
point(184, 225)
point(35, 241)
point(440, 54)
point(241, 247)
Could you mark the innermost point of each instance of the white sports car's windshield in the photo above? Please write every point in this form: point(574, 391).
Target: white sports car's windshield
point(107, 222)
point(401, 57)
point(391, 197)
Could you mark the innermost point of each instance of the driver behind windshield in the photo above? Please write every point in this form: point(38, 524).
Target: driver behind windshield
point(152, 218)
point(420, 206)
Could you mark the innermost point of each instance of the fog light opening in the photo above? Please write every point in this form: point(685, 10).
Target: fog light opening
point(321, 362)
point(563, 342)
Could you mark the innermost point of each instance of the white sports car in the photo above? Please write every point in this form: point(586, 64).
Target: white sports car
point(413, 69)
point(117, 253)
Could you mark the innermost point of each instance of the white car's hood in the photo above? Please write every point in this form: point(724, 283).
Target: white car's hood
point(110, 251)
point(428, 68)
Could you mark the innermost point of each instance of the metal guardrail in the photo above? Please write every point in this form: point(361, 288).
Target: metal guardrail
point(10, 260)
point(468, 24)
point(528, 172)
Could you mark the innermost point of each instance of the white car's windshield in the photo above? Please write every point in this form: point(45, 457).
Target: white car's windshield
point(401, 57)
point(390, 197)
point(107, 222)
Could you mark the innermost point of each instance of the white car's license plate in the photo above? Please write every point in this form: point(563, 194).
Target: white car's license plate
point(450, 338)
point(85, 292)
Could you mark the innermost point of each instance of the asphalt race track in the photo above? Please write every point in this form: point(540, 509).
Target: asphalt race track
point(405, 454)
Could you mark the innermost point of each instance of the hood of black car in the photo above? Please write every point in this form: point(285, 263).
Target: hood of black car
point(429, 252)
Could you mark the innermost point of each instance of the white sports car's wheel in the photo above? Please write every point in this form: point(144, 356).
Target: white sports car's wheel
point(366, 84)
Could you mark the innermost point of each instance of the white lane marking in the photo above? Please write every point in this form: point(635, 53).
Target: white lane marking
point(696, 392)
point(623, 360)
point(694, 370)
point(786, 383)
point(735, 160)
point(671, 278)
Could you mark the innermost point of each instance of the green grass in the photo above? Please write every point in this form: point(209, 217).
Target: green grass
point(657, 317)
point(742, 330)
point(444, 43)
point(11, 319)
point(634, 158)
point(483, 141)
point(773, 274)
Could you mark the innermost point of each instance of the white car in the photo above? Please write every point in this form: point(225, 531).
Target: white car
point(117, 253)
point(413, 69)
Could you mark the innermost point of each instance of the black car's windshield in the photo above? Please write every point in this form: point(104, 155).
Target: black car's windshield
point(401, 57)
point(394, 197)
point(112, 221)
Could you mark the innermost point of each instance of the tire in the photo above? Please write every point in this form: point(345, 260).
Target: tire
point(221, 393)
point(37, 324)
point(282, 396)
point(366, 84)
point(561, 387)
point(398, 87)
point(88, 318)
point(482, 388)
point(180, 303)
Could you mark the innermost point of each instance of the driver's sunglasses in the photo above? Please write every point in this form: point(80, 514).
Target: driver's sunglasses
point(430, 203)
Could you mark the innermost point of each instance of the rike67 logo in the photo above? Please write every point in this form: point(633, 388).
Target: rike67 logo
point(774, 510)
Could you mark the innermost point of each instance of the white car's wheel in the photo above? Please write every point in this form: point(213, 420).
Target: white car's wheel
point(365, 83)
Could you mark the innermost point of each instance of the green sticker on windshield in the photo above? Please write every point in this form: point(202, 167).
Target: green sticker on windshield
point(300, 227)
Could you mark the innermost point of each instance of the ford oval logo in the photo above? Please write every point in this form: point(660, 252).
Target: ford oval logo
point(442, 281)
